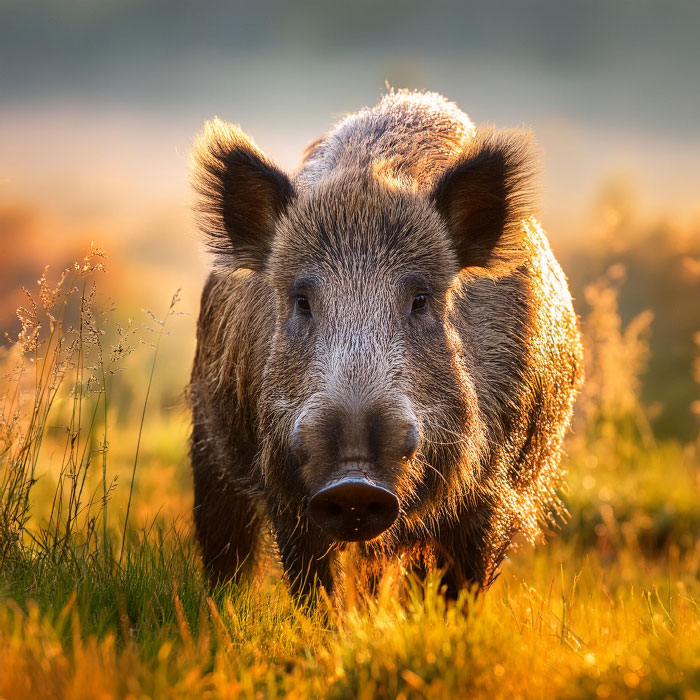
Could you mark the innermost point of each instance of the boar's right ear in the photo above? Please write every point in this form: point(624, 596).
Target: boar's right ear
point(241, 194)
point(484, 196)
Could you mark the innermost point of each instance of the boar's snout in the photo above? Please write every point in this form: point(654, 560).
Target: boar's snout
point(330, 433)
point(354, 509)
point(354, 455)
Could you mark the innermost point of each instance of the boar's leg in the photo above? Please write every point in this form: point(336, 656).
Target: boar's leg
point(306, 555)
point(465, 553)
point(226, 520)
point(227, 525)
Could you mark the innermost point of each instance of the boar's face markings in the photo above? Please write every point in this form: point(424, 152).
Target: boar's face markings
point(386, 350)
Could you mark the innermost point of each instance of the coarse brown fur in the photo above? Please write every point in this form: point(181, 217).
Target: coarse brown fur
point(401, 201)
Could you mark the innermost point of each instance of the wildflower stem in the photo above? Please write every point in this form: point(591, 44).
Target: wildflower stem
point(173, 301)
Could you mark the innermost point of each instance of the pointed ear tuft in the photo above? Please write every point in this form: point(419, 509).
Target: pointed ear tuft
point(484, 196)
point(240, 195)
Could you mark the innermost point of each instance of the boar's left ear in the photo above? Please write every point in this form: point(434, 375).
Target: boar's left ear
point(241, 194)
point(485, 196)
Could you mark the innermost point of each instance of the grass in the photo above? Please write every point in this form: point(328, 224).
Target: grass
point(547, 629)
point(102, 594)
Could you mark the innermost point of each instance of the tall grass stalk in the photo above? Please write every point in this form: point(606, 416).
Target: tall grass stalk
point(160, 333)
point(53, 347)
point(58, 379)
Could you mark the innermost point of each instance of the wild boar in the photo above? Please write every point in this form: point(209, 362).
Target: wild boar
point(387, 352)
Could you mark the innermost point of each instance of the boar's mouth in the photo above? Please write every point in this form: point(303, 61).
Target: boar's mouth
point(353, 508)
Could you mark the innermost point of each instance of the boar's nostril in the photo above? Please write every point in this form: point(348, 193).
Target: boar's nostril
point(375, 508)
point(333, 509)
point(353, 509)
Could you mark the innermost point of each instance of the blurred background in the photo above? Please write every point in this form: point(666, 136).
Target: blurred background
point(100, 101)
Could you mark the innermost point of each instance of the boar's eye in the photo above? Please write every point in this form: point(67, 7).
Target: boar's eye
point(418, 302)
point(303, 304)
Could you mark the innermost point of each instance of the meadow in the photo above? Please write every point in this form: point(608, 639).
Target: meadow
point(102, 593)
